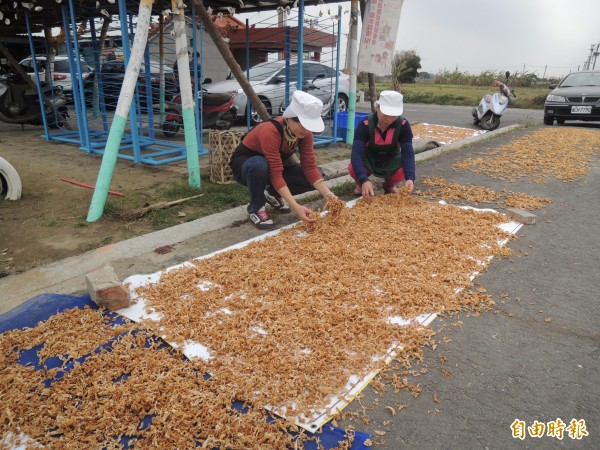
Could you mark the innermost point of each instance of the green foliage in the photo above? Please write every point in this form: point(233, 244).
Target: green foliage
point(405, 66)
point(487, 77)
point(94, 245)
point(215, 198)
point(111, 208)
point(53, 221)
point(432, 92)
point(432, 98)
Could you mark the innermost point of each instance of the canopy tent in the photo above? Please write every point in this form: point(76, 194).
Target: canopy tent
point(47, 13)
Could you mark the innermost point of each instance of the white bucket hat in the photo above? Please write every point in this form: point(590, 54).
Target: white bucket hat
point(391, 103)
point(307, 108)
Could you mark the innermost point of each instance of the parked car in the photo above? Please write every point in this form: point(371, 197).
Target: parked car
point(61, 73)
point(269, 79)
point(576, 97)
point(112, 74)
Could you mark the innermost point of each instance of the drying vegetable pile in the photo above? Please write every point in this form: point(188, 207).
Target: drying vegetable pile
point(287, 321)
point(454, 192)
point(444, 134)
point(561, 153)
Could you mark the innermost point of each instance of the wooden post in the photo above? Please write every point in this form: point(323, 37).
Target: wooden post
point(370, 76)
point(235, 68)
point(117, 128)
point(353, 59)
point(187, 97)
point(161, 47)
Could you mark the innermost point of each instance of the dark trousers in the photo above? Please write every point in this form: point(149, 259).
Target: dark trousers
point(255, 175)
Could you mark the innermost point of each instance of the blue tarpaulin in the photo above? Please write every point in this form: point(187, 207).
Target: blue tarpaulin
point(42, 307)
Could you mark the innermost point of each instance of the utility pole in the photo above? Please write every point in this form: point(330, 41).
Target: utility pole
point(596, 53)
point(281, 22)
point(586, 65)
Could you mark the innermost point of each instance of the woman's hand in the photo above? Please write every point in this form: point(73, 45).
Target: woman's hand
point(305, 214)
point(367, 189)
point(409, 185)
point(330, 196)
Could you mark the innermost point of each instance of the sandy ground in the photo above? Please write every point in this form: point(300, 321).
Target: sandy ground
point(49, 222)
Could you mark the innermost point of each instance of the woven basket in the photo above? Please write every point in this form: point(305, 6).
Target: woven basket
point(221, 145)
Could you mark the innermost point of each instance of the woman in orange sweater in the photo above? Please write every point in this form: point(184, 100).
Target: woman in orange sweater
point(260, 161)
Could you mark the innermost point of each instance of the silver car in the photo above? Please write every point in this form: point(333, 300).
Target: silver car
point(269, 82)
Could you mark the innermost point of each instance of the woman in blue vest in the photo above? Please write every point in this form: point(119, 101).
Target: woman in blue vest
point(383, 147)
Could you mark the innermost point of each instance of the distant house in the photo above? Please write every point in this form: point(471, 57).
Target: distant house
point(213, 65)
point(262, 43)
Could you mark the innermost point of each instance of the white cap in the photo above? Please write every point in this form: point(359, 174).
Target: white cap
point(307, 108)
point(391, 103)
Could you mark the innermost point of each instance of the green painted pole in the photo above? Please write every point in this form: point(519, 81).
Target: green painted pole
point(187, 99)
point(117, 128)
point(191, 147)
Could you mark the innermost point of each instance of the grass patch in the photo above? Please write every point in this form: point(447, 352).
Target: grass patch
point(111, 208)
point(215, 198)
point(104, 241)
point(53, 221)
point(162, 218)
point(448, 94)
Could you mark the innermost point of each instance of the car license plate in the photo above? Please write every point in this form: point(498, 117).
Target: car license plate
point(581, 109)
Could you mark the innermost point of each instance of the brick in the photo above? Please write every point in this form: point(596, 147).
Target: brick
point(106, 289)
point(521, 216)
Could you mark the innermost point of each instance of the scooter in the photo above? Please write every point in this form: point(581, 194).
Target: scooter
point(217, 112)
point(492, 106)
point(19, 103)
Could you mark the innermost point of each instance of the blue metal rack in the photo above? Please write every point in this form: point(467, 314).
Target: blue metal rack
point(140, 143)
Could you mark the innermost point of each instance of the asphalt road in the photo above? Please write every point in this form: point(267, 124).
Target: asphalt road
point(536, 357)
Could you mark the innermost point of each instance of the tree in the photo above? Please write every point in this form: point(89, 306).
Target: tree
point(405, 66)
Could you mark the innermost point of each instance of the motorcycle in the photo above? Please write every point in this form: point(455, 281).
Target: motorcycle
point(217, 112)
point(19, 103)
point(492, 106)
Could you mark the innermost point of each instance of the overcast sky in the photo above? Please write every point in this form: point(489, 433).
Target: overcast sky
point(502, 35)
point(479, 35)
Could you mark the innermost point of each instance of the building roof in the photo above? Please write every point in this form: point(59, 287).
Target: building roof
point(273, 38)
point(48, 13)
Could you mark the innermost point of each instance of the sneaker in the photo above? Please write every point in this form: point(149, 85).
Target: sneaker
point(277, 202)
point(261, 219)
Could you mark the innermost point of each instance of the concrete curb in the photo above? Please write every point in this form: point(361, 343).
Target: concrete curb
point(68, 275)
